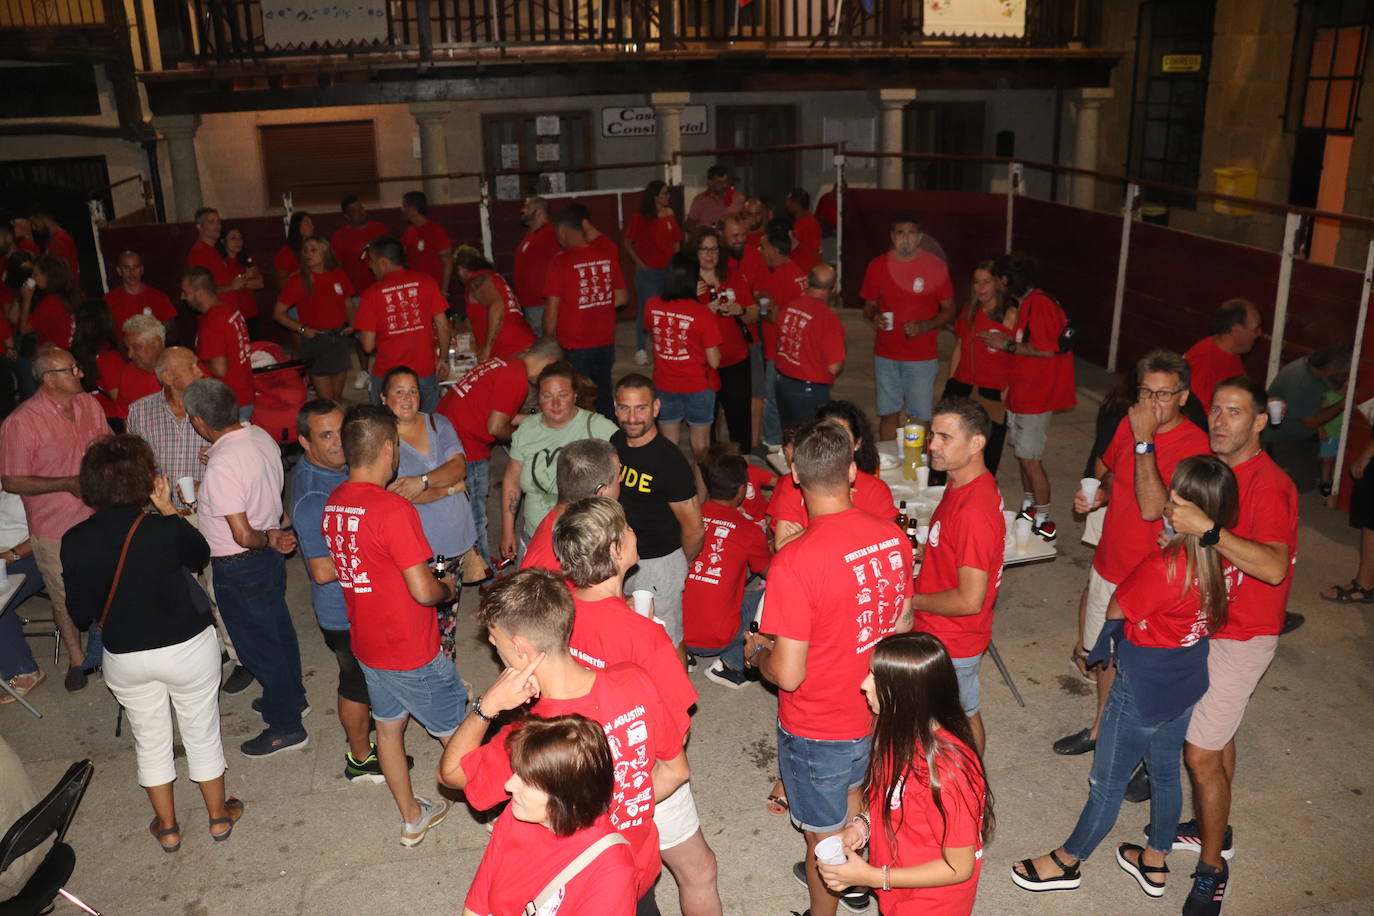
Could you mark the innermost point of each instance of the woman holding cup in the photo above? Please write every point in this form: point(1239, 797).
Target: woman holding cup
point(927, 811)
point(729, 299)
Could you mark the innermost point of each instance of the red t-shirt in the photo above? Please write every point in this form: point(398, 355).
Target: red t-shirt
point(539, 552)
point(827, 212)
point(806, 254)
point(496, 385)
point(245, 299)
point(911, 291)
point(1040, 384)
point(222, 333)
point(1160, 612)
point(781, 286)
point(734, 340)
point(63, 246)
point(135, 383)
point(606, 245)
point(1125, 536)
point(980, 365)
point(734, 547)
point(325, 307)
point(840, 587)
point(348, 243)
point(923, 831)
point(286, 261)
point(1210, 364)
point(423, 245)
point(682, 331)
point(52, 322)
point(521, 859)
point(584, 280)
point(655, 240)
point(755, 505)
point(966, 530)
point(640, 731)
point(869, 493)
point(400, 308)
point(532, 259)
point(810, 340)
point(205, 255)
point(1269, 515)
point(147, 301)
point(515, 335)
point(608, 632)
point(373, 537)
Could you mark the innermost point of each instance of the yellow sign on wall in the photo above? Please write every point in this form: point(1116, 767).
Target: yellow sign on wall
point(1182, 63)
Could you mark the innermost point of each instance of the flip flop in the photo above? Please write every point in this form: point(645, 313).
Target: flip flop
point(235, 808)
point(159, 834)
point(1079, 659)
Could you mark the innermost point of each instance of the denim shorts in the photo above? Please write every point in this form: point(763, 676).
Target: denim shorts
point(818, 776)
point(698, 407)
point(966, 670)
point(432, 693)
point(905, 383)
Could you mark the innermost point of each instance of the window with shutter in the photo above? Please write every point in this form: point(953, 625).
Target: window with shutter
point(319, 163)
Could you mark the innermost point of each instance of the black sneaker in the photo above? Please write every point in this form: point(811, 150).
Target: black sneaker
point(726, 676)
point(257, 707)
point(270, 742)
point(1209, 889)
point(1049, 531)
point(1075, 744)
point(1188, 838)
point(853, 899)
point(1291, 622)
point(1138, 789)
point(237, 681)
point(75, 680)
point(691, 663)
point(370, 769)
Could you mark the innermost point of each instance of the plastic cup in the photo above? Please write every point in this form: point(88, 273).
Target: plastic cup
point(830, 851)
point(1022, 531)
point(886, 321)
point(1088, 486)
point(1277, 408)
point(644, 602)
point(922, 534)
point(922, 477)
point(4, 575)
point(186, 486)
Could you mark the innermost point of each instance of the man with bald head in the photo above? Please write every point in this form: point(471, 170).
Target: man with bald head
point(41, 444)
point(810, 348)
point(134, 297)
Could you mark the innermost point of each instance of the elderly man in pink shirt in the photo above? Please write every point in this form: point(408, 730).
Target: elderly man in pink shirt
point(41, 444)
point(239, 503)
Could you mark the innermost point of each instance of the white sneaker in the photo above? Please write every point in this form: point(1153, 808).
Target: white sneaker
point(431, 813)
point(641, 357)
point(361, 382)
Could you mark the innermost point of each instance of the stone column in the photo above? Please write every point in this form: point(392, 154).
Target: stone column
point(668, 122)
point(894, 102)
point(432, 116)
point(1088, 108)
point(180, 133)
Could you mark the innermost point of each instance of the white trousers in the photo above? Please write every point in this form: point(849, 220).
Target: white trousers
point(187, 674)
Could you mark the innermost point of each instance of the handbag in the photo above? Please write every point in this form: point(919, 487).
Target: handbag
point(587, 857)
point(119, 569)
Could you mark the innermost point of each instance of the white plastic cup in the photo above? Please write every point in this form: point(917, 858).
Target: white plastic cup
point(922, 534)
point(1022, 530)
point(830, 851)
point(1088, 486)
point(186, 486)
point(922, 477)
point(644, 602)
point(4, 576)
point(1277, 408)
point(886, 321)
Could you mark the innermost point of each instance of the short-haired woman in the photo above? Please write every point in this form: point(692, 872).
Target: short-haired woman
point(560, 795)
point(651, 238)
point(131, 574)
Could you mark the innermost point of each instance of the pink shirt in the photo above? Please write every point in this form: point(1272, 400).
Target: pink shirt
point(243, 475)
point(37, 440)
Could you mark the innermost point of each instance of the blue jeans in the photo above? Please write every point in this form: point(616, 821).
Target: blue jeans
point(1123, 739)
point(15, 655)
point(772, 422)
point(648, 283)
point(251, 592)
point(732, 655)
point(798, 400)
point(818, 775)
point(596, 364)
point(534, 314)
point(479, 476)
point(433, 693)
point(429, 392)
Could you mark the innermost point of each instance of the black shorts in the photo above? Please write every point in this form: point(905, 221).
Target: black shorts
point(1362, 501)
point(352, 686)
point(327, 353)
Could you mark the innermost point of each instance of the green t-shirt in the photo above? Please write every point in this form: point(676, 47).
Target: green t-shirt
point(536, 447)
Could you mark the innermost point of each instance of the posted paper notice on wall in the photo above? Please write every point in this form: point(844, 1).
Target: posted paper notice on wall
point(290, 23)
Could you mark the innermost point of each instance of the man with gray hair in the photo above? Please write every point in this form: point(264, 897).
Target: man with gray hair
point(144, 339)
point(241, 518)
point(586, 468)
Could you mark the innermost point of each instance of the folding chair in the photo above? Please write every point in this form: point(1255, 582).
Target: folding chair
point(52, 815)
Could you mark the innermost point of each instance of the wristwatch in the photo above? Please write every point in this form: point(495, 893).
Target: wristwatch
point(1144, 448)
point(1211, 536)
point(424, 479)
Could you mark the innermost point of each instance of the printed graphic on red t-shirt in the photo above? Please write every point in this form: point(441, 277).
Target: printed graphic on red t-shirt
point(810, 340)
point(400, 310)
point(223, 334)
point(494, 386)
point(1160, 612)
point(608, 632)
point(682, 331)
point(755, 505)
point(325, 307)
point(907, 291)
point(147, 301)
point(781, 286)
point(515, 334)
point(967, 529)
point(423, 245)
point(585, 280)
point(734, 547)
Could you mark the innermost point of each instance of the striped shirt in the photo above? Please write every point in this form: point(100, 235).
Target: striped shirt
point(176, 444)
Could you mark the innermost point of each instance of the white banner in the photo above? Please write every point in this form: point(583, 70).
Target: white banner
point(288, 23)
point(993, 18)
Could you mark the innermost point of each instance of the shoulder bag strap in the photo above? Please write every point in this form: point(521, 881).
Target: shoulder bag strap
point(119, 569)
point(575, 867)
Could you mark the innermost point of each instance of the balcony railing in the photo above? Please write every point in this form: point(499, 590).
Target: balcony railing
point(226, 32)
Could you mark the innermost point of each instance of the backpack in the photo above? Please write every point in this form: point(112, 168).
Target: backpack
point(1068, 337)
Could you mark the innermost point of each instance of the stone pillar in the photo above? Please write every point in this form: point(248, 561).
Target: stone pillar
point(894, 102)
point(432, 116)
point(180, 133)
point(668, 122)
point(1088, 108)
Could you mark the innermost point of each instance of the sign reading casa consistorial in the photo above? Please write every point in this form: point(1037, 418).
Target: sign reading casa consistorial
point(640, 121)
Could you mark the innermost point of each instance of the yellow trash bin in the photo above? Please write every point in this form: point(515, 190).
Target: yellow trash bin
point(1239, 182)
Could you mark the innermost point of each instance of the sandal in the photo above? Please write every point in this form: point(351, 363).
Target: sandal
point(1079, 659)
point(159, 835)
point(1350, 593)
point(235, 809)
point(1069, 879)
point(777, 803)
point(1139, 870)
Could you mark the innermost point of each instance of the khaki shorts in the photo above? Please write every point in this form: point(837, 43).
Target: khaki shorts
point(1234, 669)
point(676, 818)
point(1092, 526)
point(1100, 593)
point(1027, 434)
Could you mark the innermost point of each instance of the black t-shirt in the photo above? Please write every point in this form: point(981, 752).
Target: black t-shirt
point(651, 477)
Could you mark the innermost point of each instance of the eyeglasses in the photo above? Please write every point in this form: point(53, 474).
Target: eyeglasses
point(1160, 396)
point(712, 248)
point(74, 370)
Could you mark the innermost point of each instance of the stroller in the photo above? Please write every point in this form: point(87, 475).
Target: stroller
point(279, 391)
